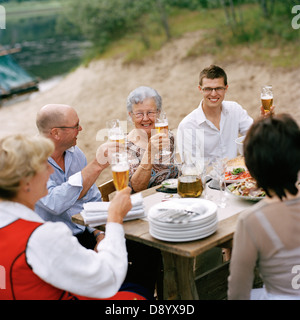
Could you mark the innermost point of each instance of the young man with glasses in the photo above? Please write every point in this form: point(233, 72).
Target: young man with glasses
point(211, 129)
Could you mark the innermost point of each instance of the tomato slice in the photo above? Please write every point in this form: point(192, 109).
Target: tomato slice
point(242, 175)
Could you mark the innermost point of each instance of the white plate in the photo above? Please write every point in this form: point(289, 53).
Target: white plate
point(170, 183)
point(209, 213)
point(244, 197)
point(191, 225)
point(185, 239)
point(182, 234)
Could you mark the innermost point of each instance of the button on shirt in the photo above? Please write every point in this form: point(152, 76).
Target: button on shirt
point(199, 137)
point(64, 188)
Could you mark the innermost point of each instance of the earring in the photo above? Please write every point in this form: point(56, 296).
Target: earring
point(28, 189)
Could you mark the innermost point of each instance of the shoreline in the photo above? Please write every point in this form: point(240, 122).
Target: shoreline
point(43, 85)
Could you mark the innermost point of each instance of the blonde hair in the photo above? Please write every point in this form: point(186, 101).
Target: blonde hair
point(21, 156)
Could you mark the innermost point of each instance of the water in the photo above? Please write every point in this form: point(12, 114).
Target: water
point(45, 53)
point(46, 50)
point(50, 57)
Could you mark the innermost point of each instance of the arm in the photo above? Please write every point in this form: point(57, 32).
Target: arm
point(89, 176)
point(245, 121)
point(140, 178)
point(64, 195)
point(243, 261)
point(57, 257)
point(92, 171)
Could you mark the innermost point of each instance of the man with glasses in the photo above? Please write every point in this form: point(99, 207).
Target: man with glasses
point(211, 129)
point(73, 180)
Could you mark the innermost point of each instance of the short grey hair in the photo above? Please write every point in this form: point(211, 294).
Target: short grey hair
point(139, 94)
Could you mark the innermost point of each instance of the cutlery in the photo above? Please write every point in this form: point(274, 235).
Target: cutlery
point(178, 215)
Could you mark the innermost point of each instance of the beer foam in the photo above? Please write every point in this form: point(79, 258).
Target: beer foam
point(266, 97)
point(120, 167)
point(160, 125)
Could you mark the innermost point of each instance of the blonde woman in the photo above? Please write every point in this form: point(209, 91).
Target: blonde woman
point(45, 261)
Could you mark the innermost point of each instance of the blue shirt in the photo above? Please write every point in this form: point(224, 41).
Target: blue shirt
point(64, 188)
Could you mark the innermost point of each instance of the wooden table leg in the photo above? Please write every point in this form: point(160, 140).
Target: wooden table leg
point(178, 282)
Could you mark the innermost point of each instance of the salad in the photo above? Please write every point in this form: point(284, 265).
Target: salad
point(247, 188)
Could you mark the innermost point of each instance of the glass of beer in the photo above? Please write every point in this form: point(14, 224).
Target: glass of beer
point(120, 170)
point(267, 97)
point(189, 180)
point(218, 174)
point(162, 126)
point(115, 131)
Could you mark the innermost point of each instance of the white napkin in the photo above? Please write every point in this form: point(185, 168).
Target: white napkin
point(95, 213)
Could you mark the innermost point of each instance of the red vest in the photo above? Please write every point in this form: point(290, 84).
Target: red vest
point(21, 283)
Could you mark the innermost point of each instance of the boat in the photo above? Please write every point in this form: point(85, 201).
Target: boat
point(14, 80)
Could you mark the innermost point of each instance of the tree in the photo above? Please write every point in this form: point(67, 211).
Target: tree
point(233, 20)
point(267, 7)
point(103, 21)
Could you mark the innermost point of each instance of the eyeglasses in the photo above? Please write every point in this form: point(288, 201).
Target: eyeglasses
point(140, 115)
point(75, 127)
point(210, 90)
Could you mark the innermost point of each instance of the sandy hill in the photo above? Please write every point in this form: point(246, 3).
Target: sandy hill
point(98, 92)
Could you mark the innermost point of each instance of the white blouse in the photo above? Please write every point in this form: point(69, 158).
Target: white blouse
point(56, 256)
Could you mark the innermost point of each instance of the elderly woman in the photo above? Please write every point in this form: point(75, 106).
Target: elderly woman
point(267, 234)
point(44, 260)
point(144, 104)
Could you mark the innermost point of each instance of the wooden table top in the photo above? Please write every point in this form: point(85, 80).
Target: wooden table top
point(138, 230)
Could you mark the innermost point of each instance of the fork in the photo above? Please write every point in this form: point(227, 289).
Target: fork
point(176, 215)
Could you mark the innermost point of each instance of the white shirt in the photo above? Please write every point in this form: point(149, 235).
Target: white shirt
point(199, 137)
point(56, 256)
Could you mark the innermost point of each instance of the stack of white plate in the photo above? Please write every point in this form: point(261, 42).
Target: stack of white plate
point(181, 220)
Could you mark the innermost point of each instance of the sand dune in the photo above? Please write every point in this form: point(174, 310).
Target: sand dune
point(98, 92)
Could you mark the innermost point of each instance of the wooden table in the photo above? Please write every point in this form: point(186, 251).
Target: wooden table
point(179, 259)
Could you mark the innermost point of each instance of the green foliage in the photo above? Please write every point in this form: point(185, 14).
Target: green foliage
point(107, 20)
point(147, 24)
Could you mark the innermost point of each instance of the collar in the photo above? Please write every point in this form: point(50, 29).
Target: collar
point(201, 118)
point(52, 161)
point(12, 211)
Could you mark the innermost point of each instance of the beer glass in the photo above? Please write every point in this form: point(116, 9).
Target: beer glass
point(120, 170)
point(206, 167)
point(115, 131)
point(189, 180)
point(218, 173)
point(267, 97)
point(162, 126)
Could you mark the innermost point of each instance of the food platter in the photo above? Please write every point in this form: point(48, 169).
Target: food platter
point(246, 190)
point(170, 184)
